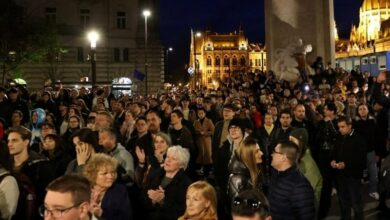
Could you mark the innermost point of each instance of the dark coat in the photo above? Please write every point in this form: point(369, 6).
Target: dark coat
point(291, 196)
point(221, 159)
point(174, 203)
point(116, 204)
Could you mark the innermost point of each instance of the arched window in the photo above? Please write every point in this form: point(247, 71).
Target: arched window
point(234, 61)
point(242, 61)
point(217, 61)
point(208, 61)
point(226, 61)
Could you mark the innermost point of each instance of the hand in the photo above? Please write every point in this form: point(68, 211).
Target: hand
point(333, 164)
point(160, 195)
point(97, 210)
point(140, 154)
point(83, 153)
point(159, 155)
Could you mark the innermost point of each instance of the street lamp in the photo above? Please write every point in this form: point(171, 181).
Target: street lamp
point(170, 49)
point(196, 64)
point(93, 37)
point(146, 13)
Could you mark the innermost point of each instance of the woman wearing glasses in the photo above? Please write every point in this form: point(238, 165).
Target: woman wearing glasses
point(109, 201)
point(244, 168)
point(201, 202)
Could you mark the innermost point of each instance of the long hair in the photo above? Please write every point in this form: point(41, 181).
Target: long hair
point(247, 154)
point(208, 192)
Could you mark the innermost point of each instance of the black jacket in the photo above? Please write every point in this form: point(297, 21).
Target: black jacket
point(366, 130)
point(174, 203)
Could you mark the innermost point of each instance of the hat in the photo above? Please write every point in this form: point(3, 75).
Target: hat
point(237, 122)
point(300, 134)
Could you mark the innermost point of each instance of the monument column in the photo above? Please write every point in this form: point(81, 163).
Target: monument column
point(309, 20)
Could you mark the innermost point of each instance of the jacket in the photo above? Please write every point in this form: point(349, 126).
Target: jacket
point(116, 204)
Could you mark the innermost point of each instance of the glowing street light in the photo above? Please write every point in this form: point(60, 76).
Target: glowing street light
point(146, 13)
point(93, 37)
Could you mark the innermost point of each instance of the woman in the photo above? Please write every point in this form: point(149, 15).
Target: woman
point(85, 141)
point(109, 200)
point(204, 129)
point(165, 197)
point(148, 166)
point(201, 202)
point(244, 168)
point(9, 191)
point(127, 127)
point(74, 124)
point(54, 149)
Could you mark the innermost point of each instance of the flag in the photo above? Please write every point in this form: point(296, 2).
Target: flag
point(138, 75)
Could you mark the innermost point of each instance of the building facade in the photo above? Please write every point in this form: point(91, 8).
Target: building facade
point(120, 49)
point(214, 57)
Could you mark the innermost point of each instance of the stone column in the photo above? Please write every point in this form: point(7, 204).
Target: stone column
point(310, 20)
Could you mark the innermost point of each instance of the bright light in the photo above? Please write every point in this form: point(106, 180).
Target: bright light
point(93, 37)
point(179, 84)
point(170, 49)
point(198, 34)
point(146, 13)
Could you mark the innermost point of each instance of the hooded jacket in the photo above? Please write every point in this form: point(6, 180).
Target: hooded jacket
point(36, 127)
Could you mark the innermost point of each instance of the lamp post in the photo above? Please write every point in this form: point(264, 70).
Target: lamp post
point(146, 13)
point(93, 37)
point(170, 49)
point(196, 64)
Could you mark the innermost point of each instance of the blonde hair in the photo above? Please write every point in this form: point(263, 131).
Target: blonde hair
point(246, 153)
point(96, 163)
point(208, 192)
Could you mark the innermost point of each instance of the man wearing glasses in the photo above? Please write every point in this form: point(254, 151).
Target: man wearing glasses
point(67, 198)
point(290, 193)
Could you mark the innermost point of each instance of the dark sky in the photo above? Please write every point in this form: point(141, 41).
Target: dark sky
point(224, 16)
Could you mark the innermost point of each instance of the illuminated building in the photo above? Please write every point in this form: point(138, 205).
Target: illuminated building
point(119, 51)
point(218, 56)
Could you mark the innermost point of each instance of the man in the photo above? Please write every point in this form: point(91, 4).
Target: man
point(349, 160)
point(221, 128)
point(251, 205)
point(154, 121)
point(16, 118)
point(108, 140)
point(68, 198)
point(103, 120)
point(297, 198)
point(299, 121)
point(282, 133)
point(31, 170)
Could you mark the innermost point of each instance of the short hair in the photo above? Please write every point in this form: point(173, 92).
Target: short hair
point(250, 202)
point(98, 161)
point(24, 132)
point(107, 115)
point(178, 113)
point(18, 112)
point(182, 154)
point(153, 112)
point(285, 112)
point(164, 136)
point(345, 119)
point(111, 132)
point(86, 135)
point(140, 118)
point(331, 107)
point(291, 150)
point(78, 186)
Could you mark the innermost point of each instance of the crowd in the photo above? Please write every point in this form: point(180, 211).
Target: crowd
point(254, 148)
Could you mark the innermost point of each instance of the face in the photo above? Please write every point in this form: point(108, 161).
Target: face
point(363, 111)
point(105, 177)
point(196, 203)
point(172, 162)
point(16, 144)
point(299, 112)
point(235, 132)
point(175, 119)
point(57, 201)
point(344, 128)
point(277, 157)
point(72, 112)
point(106, 140)
point(228, 114)
point(129, 117)
point(201, 114)
point(268, 120)
point(101, 122)
point(35, 117)
point(80, 144)
point(141, 126)
point(49, 144)
point(328, 113)
point(285, 120)
point(160, 144)
point(16, 117)
point(258, 154)
point(153, 121)
point(73, 122)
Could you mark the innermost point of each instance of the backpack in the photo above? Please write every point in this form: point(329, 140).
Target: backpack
point(27, 202)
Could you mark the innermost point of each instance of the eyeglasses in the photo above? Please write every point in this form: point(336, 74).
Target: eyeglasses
point(253, 204)
point(56, 213)
point(275, 152)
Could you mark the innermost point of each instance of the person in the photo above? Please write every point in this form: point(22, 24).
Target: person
point(166, 191)
point(244, 168)
point(204, 128)
point(9, 191)
point(38, 116)
point(306, 163)
point(54, 149)
point(251, 204)
point(86, 142)
point(67, 198)
point(348, 159)
point(201, 202)
point(31, 170)
point(109, 200)
point(154, 121)
point(264, 135)
point(221, 127)
point(282, 133)
point(288, 179)
point(127, 127)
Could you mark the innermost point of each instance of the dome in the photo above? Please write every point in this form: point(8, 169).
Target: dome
point(369, 5)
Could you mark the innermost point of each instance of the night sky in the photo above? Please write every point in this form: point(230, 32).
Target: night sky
point(177, 17)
